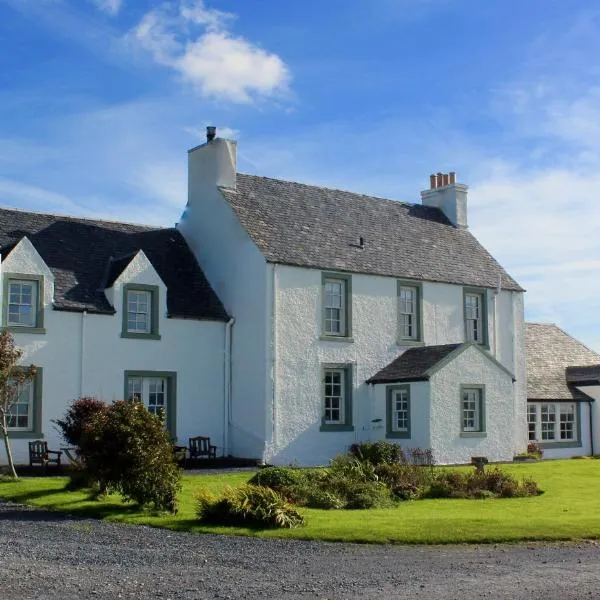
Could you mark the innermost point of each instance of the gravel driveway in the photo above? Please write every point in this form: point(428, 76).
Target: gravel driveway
point(46, 555)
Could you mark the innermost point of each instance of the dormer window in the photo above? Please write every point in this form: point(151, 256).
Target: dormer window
point(140, 311)
point(23, 295)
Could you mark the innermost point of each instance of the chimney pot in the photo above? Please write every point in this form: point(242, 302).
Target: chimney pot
point(446, 179)
point(211, 133)
point(433, 181)
point(452, 177)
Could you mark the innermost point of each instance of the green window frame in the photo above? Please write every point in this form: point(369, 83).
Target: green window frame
point(37, 282)
point(336, 306)
point(152, 312)
point(34, 430)
point(398, 412)
point(410, 312)
point(554, 424)
point(472, 410)
point(476, 325)
point(336, 397)
point(171, 393)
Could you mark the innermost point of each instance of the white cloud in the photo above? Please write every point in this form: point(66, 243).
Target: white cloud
point(111, 7)
point(215, 62)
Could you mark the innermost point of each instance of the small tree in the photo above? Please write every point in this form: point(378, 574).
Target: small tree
point(11, 377)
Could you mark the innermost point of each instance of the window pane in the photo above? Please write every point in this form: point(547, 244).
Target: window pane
point(471, 409)
point(20, 415)
point(473, 318)
point(532, 422)
point(334, 396)
point(400, 411)
point(22, 303)
point(334, 301)
point(407, 308)
point(139, 311)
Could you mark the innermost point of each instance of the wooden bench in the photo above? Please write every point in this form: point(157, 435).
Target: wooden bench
point(40, 455)
point(200, 447)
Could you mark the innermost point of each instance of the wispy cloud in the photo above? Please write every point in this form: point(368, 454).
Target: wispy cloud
point(197, 44)
point(111, 7)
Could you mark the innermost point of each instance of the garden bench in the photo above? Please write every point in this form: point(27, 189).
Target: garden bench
point(40, 455)
point(200, 447)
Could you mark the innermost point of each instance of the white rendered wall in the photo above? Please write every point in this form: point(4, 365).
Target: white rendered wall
point(193, 349)
point(471, 367)
point(238, 273)
point(419, 415)
point(300, 354)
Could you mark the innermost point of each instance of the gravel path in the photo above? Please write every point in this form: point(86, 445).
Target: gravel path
point(46, 555)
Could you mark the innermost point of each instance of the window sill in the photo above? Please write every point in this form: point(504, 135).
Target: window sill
point(140, 336)
point(336, 428)
point(336, 338)
point(25, 435)
point(410, 343)
point(557, 445)
point(473, 434)
point(398, 435)
point(18, 329)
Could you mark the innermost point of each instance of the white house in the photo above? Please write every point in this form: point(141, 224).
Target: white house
point(563, 391)
point(335, 318)
point(357, 318)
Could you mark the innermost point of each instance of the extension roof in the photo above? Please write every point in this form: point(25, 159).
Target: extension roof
point(550, 351)
point(315, 227)
point(584, 375)
point(79, 252)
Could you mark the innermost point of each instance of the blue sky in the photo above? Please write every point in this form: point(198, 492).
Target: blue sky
point(100, 99)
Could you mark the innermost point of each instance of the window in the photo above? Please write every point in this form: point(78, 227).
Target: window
point(336, 306)
point(472, 411)
point(475, 317)
point(409, 312)
point(23, 303)
point(156, 391)
point(553, 423)
point(337, 398)
point(24, 416)
point(140, 312)
point(398, 411)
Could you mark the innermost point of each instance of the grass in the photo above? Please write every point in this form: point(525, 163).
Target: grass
point(566, 511)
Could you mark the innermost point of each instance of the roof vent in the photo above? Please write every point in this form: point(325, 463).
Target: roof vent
point(211, 133)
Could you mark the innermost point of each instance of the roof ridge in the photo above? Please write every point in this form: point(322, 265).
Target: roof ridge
point(333, 189)
point(78, 218)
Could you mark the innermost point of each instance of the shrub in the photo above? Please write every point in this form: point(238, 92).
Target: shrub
point(377, 453)
point(253, 505)
point(406, 481)
point(534, 449)
point(494, 482)
point(312, 495)
point(77, 417)
point(349, 467)
point(127, 449)
point(278, 478)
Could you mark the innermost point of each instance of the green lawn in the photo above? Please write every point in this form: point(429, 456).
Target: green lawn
point(568, 510)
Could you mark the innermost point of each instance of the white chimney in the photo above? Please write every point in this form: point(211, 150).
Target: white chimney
point(447, 195)
point(212, 164)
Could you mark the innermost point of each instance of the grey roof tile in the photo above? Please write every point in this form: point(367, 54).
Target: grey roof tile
point(78, 252)
point(549, 351)
point(310, 226)
point(413, 364)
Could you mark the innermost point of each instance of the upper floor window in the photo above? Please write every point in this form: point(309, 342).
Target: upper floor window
point(336, 305)
point(409, 312)
point(23, 302)
point(140, 311)
point(475, 317)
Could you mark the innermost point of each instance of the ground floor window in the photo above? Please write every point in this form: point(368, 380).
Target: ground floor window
point(552, 421)
point(472, 410)
point(156, 391)
point(336, 397)
point(24, 416)
point(398, 411)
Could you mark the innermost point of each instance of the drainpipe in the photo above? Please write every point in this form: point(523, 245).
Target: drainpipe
point(591, 431)
point(227, 385)
point(496, 327)
point(82, 353)
point(274, 286)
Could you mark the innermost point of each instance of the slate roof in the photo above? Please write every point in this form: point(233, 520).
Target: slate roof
point(310, 226)
point(78, 252)
point(413, 364)
point(584, 375)
point(549, 351)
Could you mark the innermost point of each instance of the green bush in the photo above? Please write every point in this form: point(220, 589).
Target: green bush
point(252, 505)
point(494, 482)
point(127, 449)
point(377, 453)
point(314, 496)
point(406, 481)
point(278, 478)
point(77, 417)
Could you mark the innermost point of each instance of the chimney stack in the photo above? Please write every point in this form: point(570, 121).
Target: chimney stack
point(211, 133)
point(447, 195)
